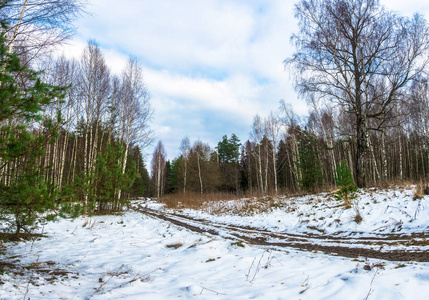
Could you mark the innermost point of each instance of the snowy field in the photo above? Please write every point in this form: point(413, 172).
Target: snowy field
point(390, 211)
point(137, 257)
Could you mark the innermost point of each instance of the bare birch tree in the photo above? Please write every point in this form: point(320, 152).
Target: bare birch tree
point(37, 25)
point(360, 56)
point(185, 147)
point(159, 169)
point(94, 89)
point(272, 129)
point(134, 110)
point(257, 134)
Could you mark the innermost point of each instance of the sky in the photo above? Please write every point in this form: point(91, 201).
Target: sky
point(209, 65)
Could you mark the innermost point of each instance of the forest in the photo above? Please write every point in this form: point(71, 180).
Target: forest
point(363, 71)
point(73, 133)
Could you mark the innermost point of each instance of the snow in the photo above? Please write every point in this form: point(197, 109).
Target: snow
point(133, 256)
point(383, 212)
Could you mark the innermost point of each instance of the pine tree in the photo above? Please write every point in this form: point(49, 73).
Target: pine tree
point(229, 151)
point(108, 179)
point(25, 197)
point(345, 182)
point(173, 175)
point(309, 164)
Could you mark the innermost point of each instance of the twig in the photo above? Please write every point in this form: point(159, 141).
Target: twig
point(278, 260)
point(74, 230)
point(29, 280)
point(248, 273)
point(32, 271)
point(401, 210)
point(417, 209)
point(257, 267)
point(105, 282)
point(35, 238)
point(213, 291)
point(268, 264)
point(377, 272)
point(135, 278)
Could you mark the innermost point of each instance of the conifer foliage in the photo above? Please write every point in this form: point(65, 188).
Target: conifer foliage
point(25, 196)
point(309, 163)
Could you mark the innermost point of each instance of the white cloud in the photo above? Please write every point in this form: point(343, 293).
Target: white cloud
point(210, 65)
point(408, 8)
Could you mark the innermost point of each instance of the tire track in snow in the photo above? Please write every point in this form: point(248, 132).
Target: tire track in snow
point(385, 248)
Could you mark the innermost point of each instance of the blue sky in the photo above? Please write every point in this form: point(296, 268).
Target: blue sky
point(210, 65)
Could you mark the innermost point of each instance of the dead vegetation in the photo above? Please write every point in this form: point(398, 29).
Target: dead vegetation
point(174, 246)
point(194, 200)
point(422, 189)
point(22, 236)
point(221, 203)
point(248, 204)
point(46, 270)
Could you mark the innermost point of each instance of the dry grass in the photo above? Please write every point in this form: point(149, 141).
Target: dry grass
point(251, 204)
point(221, 203)
point(195, 200)
point(174, 246)
point(13, 237)
point(357, 217)
point(388, 184)
point(422, 189)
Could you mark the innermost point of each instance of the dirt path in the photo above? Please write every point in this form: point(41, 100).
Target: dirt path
point(370, 247)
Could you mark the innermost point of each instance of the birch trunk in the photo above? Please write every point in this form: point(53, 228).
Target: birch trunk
point(199, 172)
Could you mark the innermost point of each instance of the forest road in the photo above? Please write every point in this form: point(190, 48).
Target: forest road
point(390, 247)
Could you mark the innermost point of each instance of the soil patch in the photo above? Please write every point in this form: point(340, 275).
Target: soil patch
point(346, 247)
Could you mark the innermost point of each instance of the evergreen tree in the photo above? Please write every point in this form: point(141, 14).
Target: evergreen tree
point(309, 163)
point(108, 179)
point(24, 194)
point(173, 175)
point(345, 182)
point(228, 152)
point(141, 184)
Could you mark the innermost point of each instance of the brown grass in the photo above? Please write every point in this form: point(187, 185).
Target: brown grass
point(195, 200)
point(175, 245)
point(217, 203)
point(387, 184)
point(422, 189)
point(13, 237)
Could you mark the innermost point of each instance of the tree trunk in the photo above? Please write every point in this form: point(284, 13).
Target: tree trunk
point(199, 172)
point(185, 174)
point(275, 169)
point(361, 146)
point(261, 183)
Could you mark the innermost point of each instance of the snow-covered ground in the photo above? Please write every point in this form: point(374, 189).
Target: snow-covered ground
point(134, 256)
point(384, 212)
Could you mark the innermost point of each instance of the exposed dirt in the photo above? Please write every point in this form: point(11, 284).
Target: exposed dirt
point(362, 247)
point(13, 237)
point(36, 270)
point(46, 270)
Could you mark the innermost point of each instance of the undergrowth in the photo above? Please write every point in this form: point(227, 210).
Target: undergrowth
point(222, 203)
point(422, 189)
point(194, 200)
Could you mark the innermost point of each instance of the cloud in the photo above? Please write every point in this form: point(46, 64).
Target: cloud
point(210, 65)
point(408, 8)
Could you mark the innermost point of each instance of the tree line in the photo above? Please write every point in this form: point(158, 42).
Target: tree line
point(71, 132)
point(288, 153)
point(363, 71)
